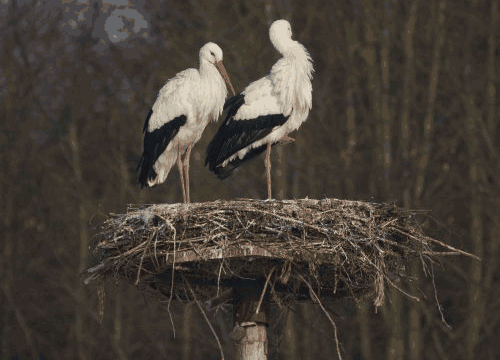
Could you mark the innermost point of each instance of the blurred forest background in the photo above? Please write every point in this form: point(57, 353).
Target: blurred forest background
point(405, 110)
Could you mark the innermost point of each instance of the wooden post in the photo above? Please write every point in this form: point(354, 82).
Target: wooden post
point(250, 322)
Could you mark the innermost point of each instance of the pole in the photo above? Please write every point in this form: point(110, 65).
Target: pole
point(250, 316)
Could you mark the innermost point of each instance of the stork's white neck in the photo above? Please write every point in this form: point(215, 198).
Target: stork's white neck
point(283, 44)
point(291, 77)
point(211, 92)
point(207, 69)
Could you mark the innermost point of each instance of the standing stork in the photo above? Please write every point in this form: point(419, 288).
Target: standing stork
point(182, 110)
point(267, 110)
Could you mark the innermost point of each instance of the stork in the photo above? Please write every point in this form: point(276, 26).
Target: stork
point(182, 110)
point(267, 110)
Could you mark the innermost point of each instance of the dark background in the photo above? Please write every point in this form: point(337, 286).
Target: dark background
point(405, 110)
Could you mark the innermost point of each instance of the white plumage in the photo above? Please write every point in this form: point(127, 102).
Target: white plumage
point(182, 110)
point(267, 110)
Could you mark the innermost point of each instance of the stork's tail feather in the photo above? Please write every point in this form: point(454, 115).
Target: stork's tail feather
point(223, 172)
point(215, 148)
point(146, 171)
point(234, 103)
point(155, 172)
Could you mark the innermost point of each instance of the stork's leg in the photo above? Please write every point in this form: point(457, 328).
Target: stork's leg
point(186, 171)
point(268, 169)
point(179, 165)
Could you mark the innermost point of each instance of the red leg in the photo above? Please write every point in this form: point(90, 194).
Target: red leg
point(179, 165)
point(268, 170)
point(186, 171)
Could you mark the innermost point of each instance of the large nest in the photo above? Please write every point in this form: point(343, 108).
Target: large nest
point(336, 247)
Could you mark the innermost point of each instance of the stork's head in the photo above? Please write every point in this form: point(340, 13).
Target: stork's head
point(280, 34)
point(212, 53)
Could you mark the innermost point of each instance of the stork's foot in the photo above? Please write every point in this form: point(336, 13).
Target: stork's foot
point(286, 140)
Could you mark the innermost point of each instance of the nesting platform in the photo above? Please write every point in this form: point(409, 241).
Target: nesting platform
point(338, 248)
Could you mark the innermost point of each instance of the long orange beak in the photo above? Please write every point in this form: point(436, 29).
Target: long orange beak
point(223, 72)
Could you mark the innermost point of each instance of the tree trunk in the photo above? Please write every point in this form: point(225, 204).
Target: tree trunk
point(82, 228)
point(494, 237)
point(429, 116)
point(290, 337)
point(414, 311)
point(370, 56)
point(396, 346)
point(186, 332)
point(476, 301)
point(117, 340)
point(363, 312)
point(472, 133)
point(307, 350)
point(364, 330)
point(124, 183)
point(428, 129)
point(8, 245)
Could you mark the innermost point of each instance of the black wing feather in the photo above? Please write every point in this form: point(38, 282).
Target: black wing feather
point(234, 135)
point(155, 143)
point(224, 172)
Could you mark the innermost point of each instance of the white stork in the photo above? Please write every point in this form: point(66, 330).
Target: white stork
point(182, 110)
point(267, 110)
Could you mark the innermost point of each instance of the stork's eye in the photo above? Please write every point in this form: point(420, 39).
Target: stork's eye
point(211, 53)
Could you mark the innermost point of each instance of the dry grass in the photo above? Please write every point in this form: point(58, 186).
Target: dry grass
point(341, 248)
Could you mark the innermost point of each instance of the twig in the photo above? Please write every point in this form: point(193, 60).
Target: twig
point(437, 301)
point(452, 248)
point(205, 316)
point(401, 290)
point(218, 277)
point(140, 264)
point(264, 290)
point(326, 313)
